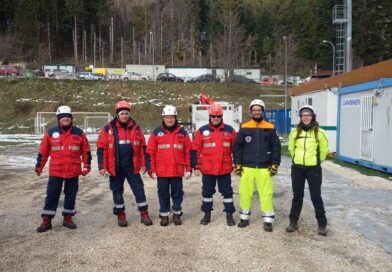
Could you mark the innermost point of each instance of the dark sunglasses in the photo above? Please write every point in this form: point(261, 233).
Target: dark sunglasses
point(216, 116)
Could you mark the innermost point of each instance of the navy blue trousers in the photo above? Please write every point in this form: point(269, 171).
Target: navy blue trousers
point(137, 187)
point(224, 187)
point(53, 192)
point(170, 187)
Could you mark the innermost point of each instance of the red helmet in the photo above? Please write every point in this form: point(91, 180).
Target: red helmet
point(123, 105)
point(216, 109)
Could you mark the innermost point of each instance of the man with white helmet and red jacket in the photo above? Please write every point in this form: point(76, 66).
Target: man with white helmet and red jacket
point(68, 148)
point(212, 151)
point(167, 158)
point(120, 150)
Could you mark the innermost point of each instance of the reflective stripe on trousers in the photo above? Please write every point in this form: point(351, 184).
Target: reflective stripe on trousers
point(124, 142)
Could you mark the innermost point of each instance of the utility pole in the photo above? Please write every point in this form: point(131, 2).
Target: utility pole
point(285, 84)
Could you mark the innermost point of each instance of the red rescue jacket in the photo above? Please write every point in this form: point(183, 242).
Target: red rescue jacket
point(212, 149)
point(67, 150)
point(168, 153)
point(108, 146)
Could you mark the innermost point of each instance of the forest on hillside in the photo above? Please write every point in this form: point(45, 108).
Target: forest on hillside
point(192, 33)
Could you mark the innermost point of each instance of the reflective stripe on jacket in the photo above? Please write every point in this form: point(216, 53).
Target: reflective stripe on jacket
point(305, 150)
point(212, 149)
point(257, 145)
point(168, 153)
point(67, 150)
point(108, 146)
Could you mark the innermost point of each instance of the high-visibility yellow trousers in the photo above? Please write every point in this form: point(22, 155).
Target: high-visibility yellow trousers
point(265, 189)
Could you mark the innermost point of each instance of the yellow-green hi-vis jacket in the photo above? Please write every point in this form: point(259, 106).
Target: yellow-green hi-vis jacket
point(306, 150)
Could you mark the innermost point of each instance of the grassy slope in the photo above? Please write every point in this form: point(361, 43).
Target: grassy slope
point(21, 99)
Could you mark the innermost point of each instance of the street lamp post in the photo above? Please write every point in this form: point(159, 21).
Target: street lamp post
point(285, 84)
point(333, 56)
point(153, 55)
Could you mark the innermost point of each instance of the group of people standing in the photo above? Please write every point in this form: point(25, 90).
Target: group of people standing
point(253, 153)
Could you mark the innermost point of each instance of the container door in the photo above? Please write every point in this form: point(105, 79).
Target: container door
point(366, 128)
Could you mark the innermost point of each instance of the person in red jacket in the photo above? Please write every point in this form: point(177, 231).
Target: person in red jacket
point(68, 148)
point(168, 157)
point(212, 151)
point(120, 150)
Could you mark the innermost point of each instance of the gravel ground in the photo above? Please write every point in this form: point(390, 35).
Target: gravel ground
point(98, 244)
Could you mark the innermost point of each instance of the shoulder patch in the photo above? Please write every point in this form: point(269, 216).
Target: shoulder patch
point(204, 128)
point(159, 131)
point(54, 130)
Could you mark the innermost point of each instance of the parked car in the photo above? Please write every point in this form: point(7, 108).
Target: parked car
point(289, 82)
point(132, 76)
point(8, 70)
point(169, 77)
point(63, 74)
point(38, 73)
point(241, 79)
point(269, 81)
point(205, 78)
point(91, 76)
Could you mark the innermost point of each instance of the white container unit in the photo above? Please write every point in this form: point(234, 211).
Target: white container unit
point(365, 124)
point(325, 103)
point(232, 115)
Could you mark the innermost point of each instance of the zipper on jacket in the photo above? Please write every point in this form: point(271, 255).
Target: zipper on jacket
point(257, 143)
point(306, 136)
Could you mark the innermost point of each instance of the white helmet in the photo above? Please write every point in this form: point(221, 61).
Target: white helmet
point(63, 110)
point(169, 110)
point(307, 107)
point(257, 102)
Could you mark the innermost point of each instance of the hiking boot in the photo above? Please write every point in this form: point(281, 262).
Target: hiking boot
point(206, 219)
point(322, 230)
point(177, 219)
point(229, 219)
point(243, 223)
point(45, 225)
point(122, 220)
point(293, 226)
point(268, 227)
point(67, 222)
point(145, 218)
point(164, 221)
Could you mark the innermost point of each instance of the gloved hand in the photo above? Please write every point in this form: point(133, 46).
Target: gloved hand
point(38, 171)
point(85, 171)
point(151, 175)
point(238, 169)
point(273, 169)
point(197, 172)
point(143, 170)
point(188, 175)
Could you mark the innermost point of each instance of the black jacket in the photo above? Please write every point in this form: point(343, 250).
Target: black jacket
point(257, 145)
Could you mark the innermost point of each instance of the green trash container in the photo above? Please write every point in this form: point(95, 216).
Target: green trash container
point(29, 75)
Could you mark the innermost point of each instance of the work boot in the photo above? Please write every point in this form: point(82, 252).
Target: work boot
point(206, 219)
point(122, 220)
point(229, 219)
point(67, 222)
point(322, 230)
point(293, 226)
point(268, 227)
point(243, 223)
point(145, 218)
point(45, 225)
point(177, 219)
point(164, 221)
